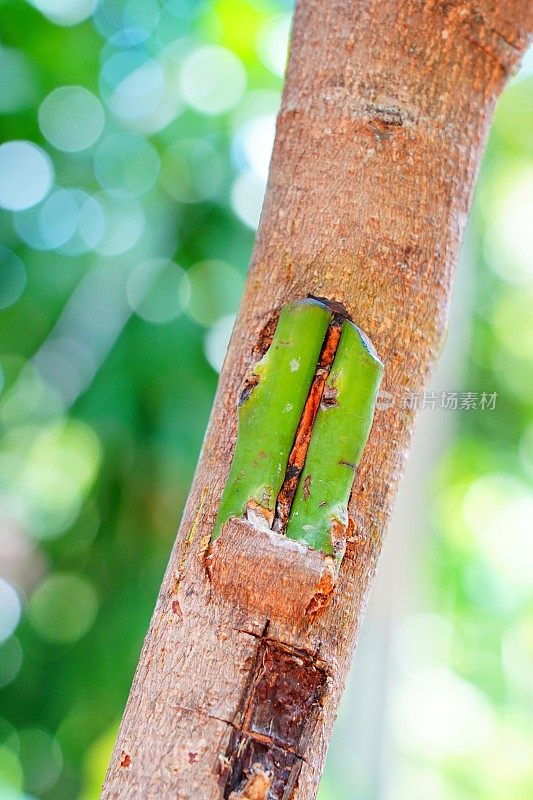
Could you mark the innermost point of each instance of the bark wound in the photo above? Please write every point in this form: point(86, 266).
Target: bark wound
point(259, 569)
point(384, 119)
point(282, 707)
point(278, 538)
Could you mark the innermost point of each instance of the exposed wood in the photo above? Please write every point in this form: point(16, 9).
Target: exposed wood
point(264, 571)
point(384, 115)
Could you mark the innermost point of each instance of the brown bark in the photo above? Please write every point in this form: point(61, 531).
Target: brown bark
point(384, 115)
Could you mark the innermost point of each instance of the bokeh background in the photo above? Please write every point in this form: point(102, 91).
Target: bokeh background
point(136, 139)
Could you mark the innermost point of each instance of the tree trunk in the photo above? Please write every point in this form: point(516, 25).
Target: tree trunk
point(384, 115)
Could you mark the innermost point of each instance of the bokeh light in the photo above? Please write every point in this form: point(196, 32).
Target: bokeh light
point(40, 759)
point(126, 164)
point(499, 510)
point(18, 88)
point(273, 43)
point(13, 278)
point(71, 118)
point(462, 720)
point(26, 175)
point(138, 93)
point(10, 660)
point(247, 195)
point(217, 339)
point(509, 239)
point(212, 79)
point(158, 290)
point(124, 223)
point(59, 466)
point(9, 610)
point(253, 144)
point(63, 608)
point(215, 290)
point(70, 220)
point(191, 171)
point(11, 774)
point(65, 12)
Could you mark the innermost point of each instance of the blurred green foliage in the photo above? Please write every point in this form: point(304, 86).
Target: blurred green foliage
point(136, 142)
point(478, 560)
point(128, 216)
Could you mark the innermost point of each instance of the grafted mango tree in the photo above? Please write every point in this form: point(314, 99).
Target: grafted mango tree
point(384, 115)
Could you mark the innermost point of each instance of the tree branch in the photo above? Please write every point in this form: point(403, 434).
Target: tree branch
point(384, 115)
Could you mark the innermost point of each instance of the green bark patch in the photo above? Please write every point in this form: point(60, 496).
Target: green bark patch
point(303, 423)
point(340, 433)
point(270, 411)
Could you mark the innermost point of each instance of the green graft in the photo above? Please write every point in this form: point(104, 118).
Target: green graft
point(339, 436)
point(269, 415)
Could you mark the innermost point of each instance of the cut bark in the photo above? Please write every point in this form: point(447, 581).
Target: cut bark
point(384, 115)
point(266, 572)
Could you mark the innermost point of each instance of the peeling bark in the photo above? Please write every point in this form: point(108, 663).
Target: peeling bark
point(384, 115)
point(261, 570)
point(279, 716)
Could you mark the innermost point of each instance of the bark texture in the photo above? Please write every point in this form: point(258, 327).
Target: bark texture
point(384, 115)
